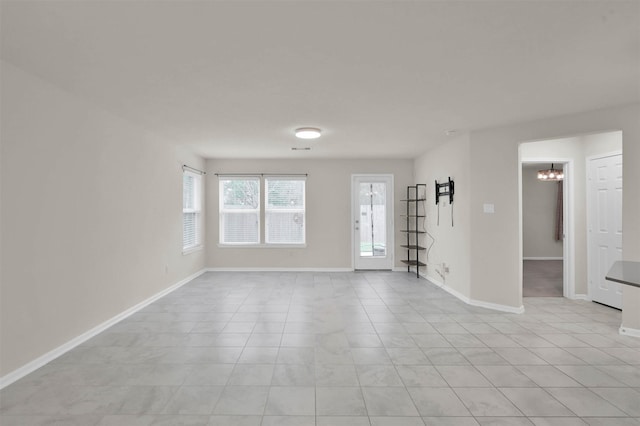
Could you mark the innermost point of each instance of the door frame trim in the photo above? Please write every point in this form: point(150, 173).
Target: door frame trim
point(391, 214)
point(568, 220)
point(589, 214)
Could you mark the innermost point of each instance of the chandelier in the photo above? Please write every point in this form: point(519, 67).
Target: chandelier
point(550, 175)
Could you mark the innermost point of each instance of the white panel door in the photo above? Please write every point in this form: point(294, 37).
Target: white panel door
point(604, 210)
point(372, 207)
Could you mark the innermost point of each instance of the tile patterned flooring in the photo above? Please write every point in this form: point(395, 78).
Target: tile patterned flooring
point(329, 349)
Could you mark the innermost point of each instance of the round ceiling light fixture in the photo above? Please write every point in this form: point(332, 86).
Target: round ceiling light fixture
point(308, 133)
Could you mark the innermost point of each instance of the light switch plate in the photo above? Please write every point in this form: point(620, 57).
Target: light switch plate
point(489, 208)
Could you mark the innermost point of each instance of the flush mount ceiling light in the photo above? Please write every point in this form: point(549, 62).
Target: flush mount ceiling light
point(308, 133)
point(550, 175)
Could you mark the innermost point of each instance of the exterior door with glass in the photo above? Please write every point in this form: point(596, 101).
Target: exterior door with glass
point(372, 223)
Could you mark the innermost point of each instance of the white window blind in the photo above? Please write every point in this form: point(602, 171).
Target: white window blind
point(284, 210)
point(239, 210)
point(191, 210)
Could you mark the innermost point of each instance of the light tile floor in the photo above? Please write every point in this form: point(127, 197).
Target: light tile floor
point(329, 349)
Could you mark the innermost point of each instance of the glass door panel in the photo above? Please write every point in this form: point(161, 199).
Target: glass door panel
point(373, 221)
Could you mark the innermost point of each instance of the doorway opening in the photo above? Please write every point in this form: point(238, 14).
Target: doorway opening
point(543, 227)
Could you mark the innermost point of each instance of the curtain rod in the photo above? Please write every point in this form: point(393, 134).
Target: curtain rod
point(261, 174)
point(184, 166)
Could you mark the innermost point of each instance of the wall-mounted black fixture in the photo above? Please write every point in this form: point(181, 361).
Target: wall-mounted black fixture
point(443, 189)
point(446, 188)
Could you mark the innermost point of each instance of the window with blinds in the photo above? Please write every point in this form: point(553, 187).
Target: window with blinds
point(284, 210)
point(191, 210)
point(239, 210)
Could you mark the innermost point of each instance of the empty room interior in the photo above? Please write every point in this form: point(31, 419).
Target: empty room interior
point(320, 213)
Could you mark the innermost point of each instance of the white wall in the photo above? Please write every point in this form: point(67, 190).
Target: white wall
point(539, 204)
point(328, 212)
point(496, 246)
point(601, 143)
point(452, 244)
point(91, 217)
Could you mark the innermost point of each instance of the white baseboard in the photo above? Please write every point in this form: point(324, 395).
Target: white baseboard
point(66, 347)
point(581, 297)
point(462, 297)
point(473, 302)
point(627, 331)
point(276, 269)
point(404, 269)
point(498, 307)
point(542, 258)
point(446, 288)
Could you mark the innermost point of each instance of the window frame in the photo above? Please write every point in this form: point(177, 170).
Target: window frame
point(222, 210)
point(262, 209)
point(302, 210)
point(197, 210)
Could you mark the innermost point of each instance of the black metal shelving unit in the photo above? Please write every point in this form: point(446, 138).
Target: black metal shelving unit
point(413, 215)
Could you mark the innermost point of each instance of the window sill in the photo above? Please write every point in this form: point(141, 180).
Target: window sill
point(192, 250)
point(262, 246)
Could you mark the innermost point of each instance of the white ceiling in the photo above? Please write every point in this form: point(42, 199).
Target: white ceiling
point(382, 79)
